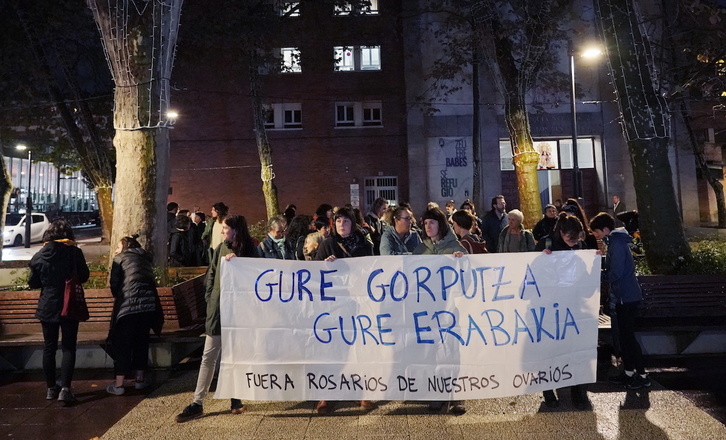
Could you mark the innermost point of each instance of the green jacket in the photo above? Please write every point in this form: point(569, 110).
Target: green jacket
point(213, 290)
point(447, 245)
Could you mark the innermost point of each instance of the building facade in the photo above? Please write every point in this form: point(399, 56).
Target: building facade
point(344, 126)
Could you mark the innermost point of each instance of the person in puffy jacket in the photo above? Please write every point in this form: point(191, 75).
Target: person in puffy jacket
point(136, 310)
point(625, 295)
point(58, 260)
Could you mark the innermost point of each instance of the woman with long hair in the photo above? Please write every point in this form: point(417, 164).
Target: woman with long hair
point(136, 310)
point(212, 235)
point(237, 242)
point(57, 261)
point(567, 235)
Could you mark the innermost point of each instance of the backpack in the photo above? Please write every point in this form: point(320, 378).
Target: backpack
point(473, 246)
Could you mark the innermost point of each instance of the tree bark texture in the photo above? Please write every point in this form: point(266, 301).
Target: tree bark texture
point(513, 54)
point(267, 175)
point(6, 188)
point(645, 125)
point(139, 39)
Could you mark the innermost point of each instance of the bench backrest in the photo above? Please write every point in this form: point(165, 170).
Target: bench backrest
point(683, 297)
point(183, 307)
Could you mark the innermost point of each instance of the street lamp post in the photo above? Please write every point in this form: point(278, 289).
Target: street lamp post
point(28, 199)
point(591, 52)
point(576, 176)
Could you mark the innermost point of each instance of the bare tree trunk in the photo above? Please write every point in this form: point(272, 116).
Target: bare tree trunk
point(525, 158)
point(702, 165)
point(6, 188)
point(269, 190)
point(139, 39)
point(645, 122)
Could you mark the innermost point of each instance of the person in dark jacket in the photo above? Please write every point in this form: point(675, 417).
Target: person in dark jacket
point(346, 240)
point(56, 262)
point(136, 310)
point(546, 224)
point(624, 296)
point(275, 244)
point(493, 222)
point(567, 236)
point(237, 243)
point(180, 250)
point(300, 226)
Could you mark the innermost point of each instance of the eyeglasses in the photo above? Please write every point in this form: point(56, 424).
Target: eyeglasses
point(408, 219)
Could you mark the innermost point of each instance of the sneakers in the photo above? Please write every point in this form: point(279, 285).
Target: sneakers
point(53, 392)
point(191, 412)
point(66, 396)
point(637, 382)
point(113, 389)
point(236, 407)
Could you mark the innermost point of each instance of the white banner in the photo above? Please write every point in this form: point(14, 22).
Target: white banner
point(408, 327)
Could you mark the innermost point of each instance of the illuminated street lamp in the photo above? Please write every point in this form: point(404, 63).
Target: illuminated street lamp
point(576, 174)
point(28, 199)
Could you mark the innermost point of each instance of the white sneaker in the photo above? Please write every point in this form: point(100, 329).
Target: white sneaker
point(113, 389)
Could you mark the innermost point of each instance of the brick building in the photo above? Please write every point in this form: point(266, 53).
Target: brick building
point(336, 118)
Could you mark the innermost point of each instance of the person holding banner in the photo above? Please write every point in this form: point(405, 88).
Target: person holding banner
point(237, 243)
point(440, 240)
point(400, 240)
point(346, 240)
point(567, 236)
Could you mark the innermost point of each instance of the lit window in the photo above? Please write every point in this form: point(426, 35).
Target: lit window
point(290, 62)
point(289, 8)
point(350, 58)
point(357, 7)
point(283, 116)
point(358, 114)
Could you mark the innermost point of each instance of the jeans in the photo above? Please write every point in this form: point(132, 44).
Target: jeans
point(69, 329)
point(210, 356)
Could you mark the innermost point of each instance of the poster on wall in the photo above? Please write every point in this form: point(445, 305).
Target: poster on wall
point(450, 169)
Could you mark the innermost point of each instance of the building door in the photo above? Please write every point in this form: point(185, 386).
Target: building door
point(381, 186)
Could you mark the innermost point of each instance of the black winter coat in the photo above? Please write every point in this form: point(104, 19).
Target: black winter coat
point(133, 286)
point(49, 270)
point(179, 249)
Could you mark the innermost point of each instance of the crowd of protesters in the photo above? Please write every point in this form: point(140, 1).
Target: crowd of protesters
point(332, 233)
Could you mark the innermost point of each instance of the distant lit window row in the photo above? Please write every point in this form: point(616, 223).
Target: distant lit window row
point(346, 59)
point(291, 8)
point(288, 116)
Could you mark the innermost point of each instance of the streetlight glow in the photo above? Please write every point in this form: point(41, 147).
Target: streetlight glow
point(592, 52)
point(21, 147)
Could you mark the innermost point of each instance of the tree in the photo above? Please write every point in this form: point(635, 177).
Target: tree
point(514, 39)
point(692, 64)
point(139, 39)
point(646, 129)
point(59, 60)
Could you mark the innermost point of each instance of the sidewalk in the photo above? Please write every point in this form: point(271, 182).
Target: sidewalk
point(615, 414)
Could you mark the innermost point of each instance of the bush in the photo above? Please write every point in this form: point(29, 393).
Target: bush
point(707, 258)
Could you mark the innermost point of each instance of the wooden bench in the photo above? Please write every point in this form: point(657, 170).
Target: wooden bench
point(683, 302)
point(183, 306)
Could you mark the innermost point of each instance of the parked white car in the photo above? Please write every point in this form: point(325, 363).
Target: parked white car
point(14, 231)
